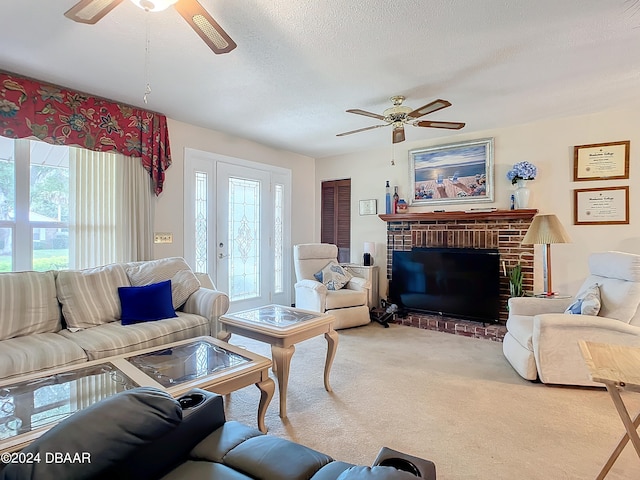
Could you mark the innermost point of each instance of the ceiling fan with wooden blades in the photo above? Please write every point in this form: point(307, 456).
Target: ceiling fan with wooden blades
point(398, 116)
point(91, 11)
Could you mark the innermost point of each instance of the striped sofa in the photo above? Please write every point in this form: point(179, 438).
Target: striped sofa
point(54, 319)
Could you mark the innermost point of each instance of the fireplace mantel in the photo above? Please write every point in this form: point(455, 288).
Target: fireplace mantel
point(460, 215)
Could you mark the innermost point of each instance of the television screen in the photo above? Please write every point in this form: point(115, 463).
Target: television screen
point(460, 282)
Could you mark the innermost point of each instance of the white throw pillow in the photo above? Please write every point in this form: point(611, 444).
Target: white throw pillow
point(333, 276)
point(587, 303)
point(183, 281)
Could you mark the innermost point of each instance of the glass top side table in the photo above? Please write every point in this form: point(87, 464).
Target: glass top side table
point(282, 327)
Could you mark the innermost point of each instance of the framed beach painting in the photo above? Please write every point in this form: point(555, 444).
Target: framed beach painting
point(453, 173)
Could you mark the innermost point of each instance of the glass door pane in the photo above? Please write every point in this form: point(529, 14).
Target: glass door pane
point(201, 209)
point(244, 239)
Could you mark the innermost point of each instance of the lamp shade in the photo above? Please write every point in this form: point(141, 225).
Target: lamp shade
point(370, 247)
point(546, 229)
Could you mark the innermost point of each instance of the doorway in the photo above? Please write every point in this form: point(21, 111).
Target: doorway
point(335, 215)
point(238, 227)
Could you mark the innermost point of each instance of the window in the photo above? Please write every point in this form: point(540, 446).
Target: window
point(34, 206)
point(65, 207)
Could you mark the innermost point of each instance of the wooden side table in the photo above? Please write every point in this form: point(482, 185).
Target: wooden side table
point(282, 327)
point(618, 367)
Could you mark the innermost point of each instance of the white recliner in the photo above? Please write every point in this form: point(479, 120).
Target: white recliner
point(542, 341)
point(348, 305)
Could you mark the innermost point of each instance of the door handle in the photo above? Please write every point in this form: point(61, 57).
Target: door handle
point(220, 255)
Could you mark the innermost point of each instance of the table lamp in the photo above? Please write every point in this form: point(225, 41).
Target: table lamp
point(369, 252)
point(545, 230)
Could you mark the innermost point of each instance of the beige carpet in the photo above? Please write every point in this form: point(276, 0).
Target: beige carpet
point(451, 399)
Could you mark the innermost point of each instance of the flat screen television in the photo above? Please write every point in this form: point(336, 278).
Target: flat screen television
point(458, 282)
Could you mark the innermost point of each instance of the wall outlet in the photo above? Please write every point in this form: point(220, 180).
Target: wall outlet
point(163, 237)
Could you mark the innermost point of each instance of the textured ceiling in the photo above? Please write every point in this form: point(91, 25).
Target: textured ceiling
point(299, 65)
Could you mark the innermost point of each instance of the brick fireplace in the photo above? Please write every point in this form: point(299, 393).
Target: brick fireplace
point(501, 229)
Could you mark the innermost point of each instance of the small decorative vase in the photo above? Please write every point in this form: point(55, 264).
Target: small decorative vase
point(521, 195)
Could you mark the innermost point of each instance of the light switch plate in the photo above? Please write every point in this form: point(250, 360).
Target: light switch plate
point(163, 237)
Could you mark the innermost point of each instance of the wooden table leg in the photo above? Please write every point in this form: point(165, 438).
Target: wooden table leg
point(332, 346)
point(630, 427)
point(282, 358)
point(267, 388)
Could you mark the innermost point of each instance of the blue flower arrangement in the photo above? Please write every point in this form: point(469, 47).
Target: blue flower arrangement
point(522, 171)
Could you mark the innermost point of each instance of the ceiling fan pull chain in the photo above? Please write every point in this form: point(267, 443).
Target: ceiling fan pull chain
point(393, 154)
point(147, 58)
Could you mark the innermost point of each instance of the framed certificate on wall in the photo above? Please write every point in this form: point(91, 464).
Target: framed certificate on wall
point(368, 207)
point(601, 206)
point(601, 161)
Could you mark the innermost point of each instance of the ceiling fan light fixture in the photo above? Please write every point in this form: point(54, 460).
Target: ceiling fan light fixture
point(399, 115)
point(153, 5)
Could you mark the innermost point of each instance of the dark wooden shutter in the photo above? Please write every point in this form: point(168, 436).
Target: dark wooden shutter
point(336, 216)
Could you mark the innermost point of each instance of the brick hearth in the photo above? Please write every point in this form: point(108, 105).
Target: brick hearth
point(456, 326)
point(502, 230)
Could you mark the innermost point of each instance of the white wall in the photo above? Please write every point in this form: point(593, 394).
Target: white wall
point(170, 204)
point(547, 144)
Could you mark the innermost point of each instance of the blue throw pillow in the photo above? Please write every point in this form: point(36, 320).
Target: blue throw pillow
point(146, 303)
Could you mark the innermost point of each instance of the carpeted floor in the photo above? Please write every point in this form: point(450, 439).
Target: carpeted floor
point(451, 399)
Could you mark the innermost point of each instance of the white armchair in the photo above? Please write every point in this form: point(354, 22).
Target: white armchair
point(542, 341)
point(348, 305)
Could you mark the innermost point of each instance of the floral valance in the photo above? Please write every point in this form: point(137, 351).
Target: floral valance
point(29, 108)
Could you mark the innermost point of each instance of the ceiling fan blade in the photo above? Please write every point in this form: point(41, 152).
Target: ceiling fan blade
point(204, 25)
point(359, 130)
point(449, 125)
point(429, 108)
point(90, 11)
point(398, 134)
point(365, 113)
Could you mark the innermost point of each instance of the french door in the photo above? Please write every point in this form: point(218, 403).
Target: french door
point(237, 227)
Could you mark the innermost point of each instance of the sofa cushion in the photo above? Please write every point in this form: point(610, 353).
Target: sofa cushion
point(204, 470)
point(104, 434)
point(90, 297)
point(36, 352)
point(224, 439)
point(116, 339)
point(183, 280)
point(29, 304)
point(261, 457)
point(146, 303)
point(332, 470)
point(346, 298)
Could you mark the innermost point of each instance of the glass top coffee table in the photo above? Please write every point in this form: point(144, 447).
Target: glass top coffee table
point(282, 327)
point(32, 404)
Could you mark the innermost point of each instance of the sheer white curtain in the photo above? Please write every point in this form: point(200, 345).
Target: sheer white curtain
point(111, 209)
